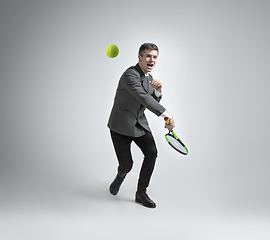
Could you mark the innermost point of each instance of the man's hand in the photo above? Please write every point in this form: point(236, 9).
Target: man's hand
point(156, 84)
point(171, 125)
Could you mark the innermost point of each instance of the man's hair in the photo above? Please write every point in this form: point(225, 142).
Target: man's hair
point(145, 46)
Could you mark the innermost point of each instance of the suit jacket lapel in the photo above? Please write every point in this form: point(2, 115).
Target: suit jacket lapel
point(144, 79)
point(145, 83)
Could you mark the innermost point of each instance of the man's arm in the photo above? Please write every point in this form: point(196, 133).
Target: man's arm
point(157, 94)
point(157, 85)
point(132, 82)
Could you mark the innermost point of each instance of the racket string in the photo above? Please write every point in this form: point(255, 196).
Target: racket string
point(176, 144)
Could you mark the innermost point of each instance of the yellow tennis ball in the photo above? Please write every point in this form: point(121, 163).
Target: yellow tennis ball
point(112, 51)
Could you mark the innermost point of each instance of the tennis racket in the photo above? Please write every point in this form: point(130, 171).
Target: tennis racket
point(174, 141)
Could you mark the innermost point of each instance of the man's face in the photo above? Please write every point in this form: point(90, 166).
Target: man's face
point(148, 60)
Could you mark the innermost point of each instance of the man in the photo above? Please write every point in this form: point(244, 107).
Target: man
point(136, 91)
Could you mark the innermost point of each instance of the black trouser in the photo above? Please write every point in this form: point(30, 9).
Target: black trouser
point(122, 146)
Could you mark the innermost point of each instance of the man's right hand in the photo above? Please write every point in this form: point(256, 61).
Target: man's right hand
point(171, 124)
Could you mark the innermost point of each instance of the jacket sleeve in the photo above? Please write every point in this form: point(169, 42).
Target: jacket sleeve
point(132, 83)
point(155, 97)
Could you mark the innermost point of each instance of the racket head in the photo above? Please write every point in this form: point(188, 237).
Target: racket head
point(176, 143)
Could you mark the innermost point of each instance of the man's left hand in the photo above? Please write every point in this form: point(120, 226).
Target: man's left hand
point(156, 84)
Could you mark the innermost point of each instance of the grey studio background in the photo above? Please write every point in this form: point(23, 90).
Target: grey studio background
point(56, 92)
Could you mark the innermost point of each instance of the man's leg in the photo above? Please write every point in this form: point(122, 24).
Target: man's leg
point(148, 146)
point(121, 145)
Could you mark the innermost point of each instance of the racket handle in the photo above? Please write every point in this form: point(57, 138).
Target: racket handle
point(167, 120)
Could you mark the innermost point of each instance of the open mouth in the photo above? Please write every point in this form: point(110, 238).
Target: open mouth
point(150, 65)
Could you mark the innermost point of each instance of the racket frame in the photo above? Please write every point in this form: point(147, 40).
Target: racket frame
point(172, 134)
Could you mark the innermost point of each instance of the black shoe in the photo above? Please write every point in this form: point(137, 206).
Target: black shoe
point(142, 197)
point(115, 185)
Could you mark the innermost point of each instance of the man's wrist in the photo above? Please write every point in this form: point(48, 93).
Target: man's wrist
point(157, 93)
point(166, 114)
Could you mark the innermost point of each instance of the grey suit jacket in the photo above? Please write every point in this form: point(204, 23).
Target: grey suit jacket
point(133, 95)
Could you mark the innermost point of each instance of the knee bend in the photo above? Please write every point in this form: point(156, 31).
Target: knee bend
point(153, 152)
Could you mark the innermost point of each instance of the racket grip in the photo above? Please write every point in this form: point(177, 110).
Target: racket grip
point(167, 120)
